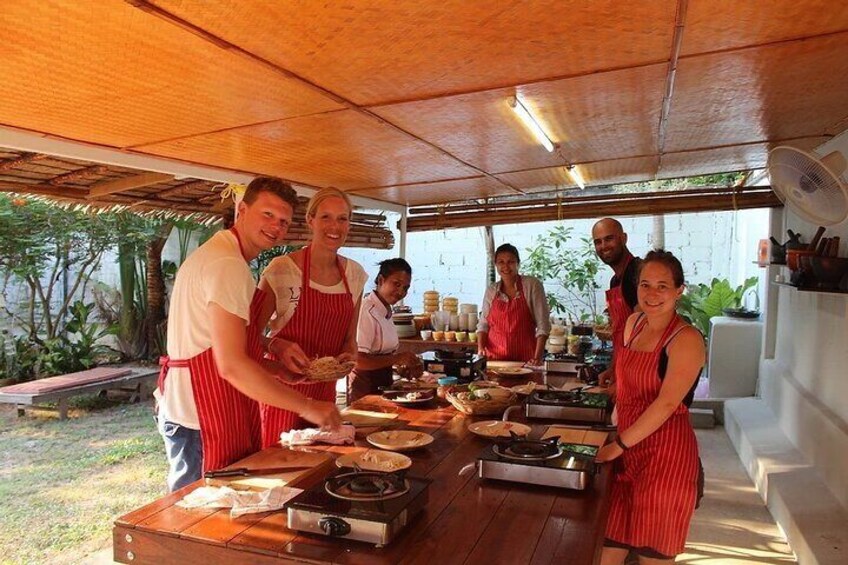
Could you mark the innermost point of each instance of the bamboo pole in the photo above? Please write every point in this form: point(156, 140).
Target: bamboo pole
point(592, 209)
point(524, 202)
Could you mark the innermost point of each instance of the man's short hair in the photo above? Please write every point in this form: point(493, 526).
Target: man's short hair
point(272, 185)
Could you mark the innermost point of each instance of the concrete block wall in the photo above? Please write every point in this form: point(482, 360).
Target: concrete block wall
point(709, 244)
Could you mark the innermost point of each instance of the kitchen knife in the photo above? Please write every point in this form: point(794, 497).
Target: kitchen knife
point(245, 472)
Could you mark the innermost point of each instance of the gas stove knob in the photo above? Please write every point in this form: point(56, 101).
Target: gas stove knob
point(334, 527)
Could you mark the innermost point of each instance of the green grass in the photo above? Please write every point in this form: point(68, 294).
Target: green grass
point(62, 484)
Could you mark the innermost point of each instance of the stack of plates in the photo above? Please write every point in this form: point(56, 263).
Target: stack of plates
point(404, 324)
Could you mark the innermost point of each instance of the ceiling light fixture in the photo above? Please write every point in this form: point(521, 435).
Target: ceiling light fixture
point(531, 123)
point(576, 176)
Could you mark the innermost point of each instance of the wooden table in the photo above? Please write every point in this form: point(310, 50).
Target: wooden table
point(467, 520)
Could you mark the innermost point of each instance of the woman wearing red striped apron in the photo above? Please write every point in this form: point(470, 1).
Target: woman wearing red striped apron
point(656, 479)
point(515, 320)
point(315, 295)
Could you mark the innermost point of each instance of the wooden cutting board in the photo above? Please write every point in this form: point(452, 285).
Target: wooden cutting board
point(319, 462)
point(367, 418)
point(580, 436)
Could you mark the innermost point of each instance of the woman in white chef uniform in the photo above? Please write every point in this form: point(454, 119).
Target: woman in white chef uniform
point(376, 336)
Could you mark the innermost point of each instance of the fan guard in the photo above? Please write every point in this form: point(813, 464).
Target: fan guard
point(810, 185)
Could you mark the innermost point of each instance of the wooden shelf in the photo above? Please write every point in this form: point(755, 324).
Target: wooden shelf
point(834, 292)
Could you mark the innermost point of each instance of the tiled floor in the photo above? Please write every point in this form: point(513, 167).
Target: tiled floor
point(732, 526)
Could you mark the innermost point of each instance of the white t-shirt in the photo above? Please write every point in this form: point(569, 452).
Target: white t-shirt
point(285, 277)
point(215, 272)
point(376, 332)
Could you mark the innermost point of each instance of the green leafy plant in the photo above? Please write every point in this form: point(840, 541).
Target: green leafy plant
point(556, 257)
point(702, 302)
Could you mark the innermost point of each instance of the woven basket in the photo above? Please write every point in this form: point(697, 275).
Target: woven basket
point(481, 407)
point(604, 333)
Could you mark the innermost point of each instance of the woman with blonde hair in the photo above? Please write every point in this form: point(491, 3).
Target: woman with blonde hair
point(313, 299)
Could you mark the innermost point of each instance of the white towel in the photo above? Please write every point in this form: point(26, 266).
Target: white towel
point(240, 502)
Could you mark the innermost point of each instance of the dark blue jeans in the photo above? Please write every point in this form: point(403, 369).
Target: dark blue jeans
point(184, 451)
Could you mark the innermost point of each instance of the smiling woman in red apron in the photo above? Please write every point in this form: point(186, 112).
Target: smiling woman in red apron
point(210, 380)
point(314, 295)
point(515, 320)
point(655, 484)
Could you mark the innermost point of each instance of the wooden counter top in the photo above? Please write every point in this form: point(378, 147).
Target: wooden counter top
point(467, 519)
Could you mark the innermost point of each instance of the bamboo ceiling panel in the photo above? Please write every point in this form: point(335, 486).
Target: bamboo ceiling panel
point(108, 73)
point(389, 50)
point(440, 192)
point(599, 173)
point(725, 159)
point(593, 118)
point(782, 91)
point(715, 25)
point(342, 149)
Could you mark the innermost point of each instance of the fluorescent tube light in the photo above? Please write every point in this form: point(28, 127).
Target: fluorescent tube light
point(576, 176)
point(531, 123)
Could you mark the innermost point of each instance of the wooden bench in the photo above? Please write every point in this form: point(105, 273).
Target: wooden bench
point(136, 380)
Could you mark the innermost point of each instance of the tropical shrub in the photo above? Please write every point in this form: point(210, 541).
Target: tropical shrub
point(701, 302)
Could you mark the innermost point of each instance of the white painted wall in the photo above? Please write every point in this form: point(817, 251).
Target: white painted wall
point(806, 383)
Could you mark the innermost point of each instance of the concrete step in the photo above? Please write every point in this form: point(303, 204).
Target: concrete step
point(702, 418)
point(814, 521)
point(714, 404)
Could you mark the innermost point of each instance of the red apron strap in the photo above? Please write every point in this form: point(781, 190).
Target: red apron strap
point(166, 363)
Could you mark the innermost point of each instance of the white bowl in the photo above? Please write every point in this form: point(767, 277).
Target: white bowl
point(556, 340)
point(555, 348)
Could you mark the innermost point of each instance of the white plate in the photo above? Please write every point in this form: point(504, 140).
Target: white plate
point(399, 440)
point(513, 371)
point(375, 460)
point(498, 428)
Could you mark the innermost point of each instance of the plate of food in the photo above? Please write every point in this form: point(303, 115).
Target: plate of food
point(399, 440)
point(498, 428)
point(513, 371)
point(524, 389)
point(409, 396)
point(375, 460)
point(327, 369)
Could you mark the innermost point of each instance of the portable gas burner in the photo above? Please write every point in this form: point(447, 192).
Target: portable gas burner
point(464, 364)
point(362, 505)
point(537, 462)
point(563, 363)
point(573, 405)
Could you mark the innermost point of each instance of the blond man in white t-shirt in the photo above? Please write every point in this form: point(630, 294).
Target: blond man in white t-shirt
point(213, 375)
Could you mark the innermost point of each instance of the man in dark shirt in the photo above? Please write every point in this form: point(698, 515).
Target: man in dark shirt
point(611, 247)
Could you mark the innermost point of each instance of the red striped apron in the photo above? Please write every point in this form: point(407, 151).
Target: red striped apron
point(655, 485)
point(512, 329)
point(619, 310)
point(229, 420)
point(319, 325)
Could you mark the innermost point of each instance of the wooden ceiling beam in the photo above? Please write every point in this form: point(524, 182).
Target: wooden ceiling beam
point(127, 183)
point(10, 164)
point(79, 174)
point(187, 187)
